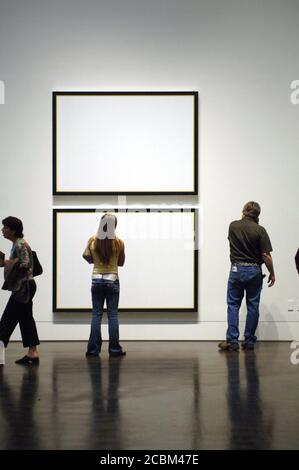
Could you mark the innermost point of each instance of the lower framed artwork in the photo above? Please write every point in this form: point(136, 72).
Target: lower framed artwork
point(161, 269)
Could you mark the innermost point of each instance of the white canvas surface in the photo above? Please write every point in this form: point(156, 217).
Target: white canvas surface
point(159, 268)
point(125, 143)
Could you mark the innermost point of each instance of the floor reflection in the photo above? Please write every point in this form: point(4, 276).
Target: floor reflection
point(105, 415)
point(251, 421)
point(123, 403)
point(161, 396)
point(19, 428)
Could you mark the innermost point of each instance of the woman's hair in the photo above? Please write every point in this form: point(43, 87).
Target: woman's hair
point(105, 237)
point(252, 210)
point(14, 224)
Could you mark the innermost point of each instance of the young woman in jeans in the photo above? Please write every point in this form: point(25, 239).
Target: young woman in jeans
point(106, 252)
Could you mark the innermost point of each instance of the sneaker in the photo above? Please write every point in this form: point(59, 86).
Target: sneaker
point(227, 346)
point(247, 346)
point(117, 354)
point(28, 360)
point(88, 354)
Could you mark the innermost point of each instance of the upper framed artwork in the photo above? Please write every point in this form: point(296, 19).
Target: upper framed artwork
point(125, 143)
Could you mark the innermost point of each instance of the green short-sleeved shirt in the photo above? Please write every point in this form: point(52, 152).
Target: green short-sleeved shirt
point(248, 241)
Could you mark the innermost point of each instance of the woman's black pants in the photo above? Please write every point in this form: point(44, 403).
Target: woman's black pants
point(17, 312)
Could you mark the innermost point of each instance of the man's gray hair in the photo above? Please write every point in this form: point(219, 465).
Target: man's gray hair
point(252, 209)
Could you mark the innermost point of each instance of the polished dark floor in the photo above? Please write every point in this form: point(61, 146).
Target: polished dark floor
point(162, 395)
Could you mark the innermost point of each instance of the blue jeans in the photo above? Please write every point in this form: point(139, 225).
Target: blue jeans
point(243, 279)
point(101, 290)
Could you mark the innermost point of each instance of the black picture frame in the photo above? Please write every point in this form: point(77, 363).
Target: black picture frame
point(193, 309)
point(57, 192)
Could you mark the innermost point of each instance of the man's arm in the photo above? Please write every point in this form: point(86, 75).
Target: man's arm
point(267, 258)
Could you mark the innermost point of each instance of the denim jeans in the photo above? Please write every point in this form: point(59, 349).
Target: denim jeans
point(101, 290)
point(243, 279)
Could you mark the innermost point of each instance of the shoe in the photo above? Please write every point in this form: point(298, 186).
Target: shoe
point(247, 346)
point(88, 354)
point(227, 346)
point(117, 354)
point(28, 360)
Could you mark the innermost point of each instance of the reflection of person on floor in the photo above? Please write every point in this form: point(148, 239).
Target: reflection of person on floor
point(106, 252)
point(250, 427)
point(18, 430)
point(297, 260)
point(105, 432)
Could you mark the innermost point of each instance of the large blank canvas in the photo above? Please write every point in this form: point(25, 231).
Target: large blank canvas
point(160, 272)
point(125, 143)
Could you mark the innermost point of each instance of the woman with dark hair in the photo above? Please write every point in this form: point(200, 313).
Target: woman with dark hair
point(18, 275)
point(106, 252)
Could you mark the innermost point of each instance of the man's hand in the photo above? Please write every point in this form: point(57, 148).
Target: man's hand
point(267, 258)
point(271, 280)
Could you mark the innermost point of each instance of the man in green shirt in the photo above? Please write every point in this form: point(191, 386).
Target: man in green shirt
point(250, 247)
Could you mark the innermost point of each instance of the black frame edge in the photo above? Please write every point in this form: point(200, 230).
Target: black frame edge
point(55, 192)
point(193, 309)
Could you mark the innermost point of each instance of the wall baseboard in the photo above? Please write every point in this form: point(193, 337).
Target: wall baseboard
point(204, 331)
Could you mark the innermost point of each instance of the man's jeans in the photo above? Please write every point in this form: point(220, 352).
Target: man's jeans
point(101, 290)
point(243, 279)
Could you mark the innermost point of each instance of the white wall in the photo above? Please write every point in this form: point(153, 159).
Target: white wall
point(240, 55)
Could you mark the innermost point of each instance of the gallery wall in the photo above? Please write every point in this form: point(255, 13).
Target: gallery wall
point(240, 56)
